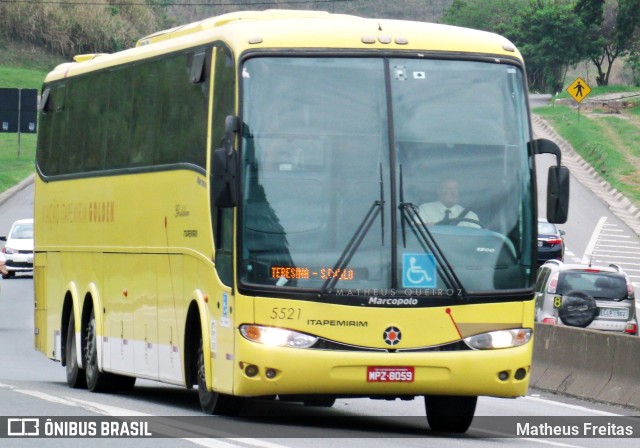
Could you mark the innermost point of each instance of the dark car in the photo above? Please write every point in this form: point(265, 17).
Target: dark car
point(550, 242)
point(587, 296)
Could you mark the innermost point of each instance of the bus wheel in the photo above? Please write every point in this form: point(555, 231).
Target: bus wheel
point(450, 413)
point(96, 381)
point(75, 375)
point(213, 402)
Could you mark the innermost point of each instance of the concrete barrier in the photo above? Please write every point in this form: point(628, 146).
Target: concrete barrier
point(587, 364)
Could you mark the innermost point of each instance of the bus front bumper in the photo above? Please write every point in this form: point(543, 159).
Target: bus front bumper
point(261, 370)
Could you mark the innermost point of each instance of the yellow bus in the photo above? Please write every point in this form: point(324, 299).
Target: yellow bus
point(241, 205)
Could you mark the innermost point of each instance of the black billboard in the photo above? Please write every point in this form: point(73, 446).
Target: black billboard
point(18, 110)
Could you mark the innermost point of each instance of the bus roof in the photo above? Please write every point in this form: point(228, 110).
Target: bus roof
point(290, 29)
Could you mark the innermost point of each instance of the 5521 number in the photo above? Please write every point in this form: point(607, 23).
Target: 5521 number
point(285, 313)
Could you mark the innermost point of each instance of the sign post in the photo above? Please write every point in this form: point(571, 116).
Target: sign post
point(579, 90)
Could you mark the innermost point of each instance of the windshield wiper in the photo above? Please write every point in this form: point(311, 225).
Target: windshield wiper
point(355, 241)
point(411, 216)
point(352, 246)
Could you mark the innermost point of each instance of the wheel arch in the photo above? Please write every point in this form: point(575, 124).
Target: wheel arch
point(67, 308)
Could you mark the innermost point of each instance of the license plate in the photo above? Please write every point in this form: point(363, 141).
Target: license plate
point(390, 374)
point(618, 313)
point(540, 244)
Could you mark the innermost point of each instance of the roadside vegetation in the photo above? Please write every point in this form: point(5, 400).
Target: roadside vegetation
point(605, 133)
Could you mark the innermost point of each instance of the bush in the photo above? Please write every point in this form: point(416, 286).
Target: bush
point(70, 29)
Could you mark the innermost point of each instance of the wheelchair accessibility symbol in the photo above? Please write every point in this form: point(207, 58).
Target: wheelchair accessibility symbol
point(418, 271)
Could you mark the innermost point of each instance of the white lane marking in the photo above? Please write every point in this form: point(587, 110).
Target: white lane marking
point(571, 406)
point(255, 442)
point(105, 409)
point(594, 239)
point(212, 443)
point(46, 397)
point(616, 239)
point(597, 256)
point(627, 247)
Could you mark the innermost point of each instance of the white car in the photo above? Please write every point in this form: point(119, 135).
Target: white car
point(18, 249)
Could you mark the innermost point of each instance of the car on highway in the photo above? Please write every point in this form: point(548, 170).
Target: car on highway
point(550, 242)
point(18, 248)
point(586, 296)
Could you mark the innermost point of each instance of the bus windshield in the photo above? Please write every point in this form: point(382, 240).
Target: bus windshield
point(394, 175)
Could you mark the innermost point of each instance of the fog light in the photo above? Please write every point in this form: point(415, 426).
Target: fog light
point(270, 373)
point(520, 374)
point(503, 376)
point(251, 370)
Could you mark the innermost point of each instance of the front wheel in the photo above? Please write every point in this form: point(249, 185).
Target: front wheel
point(450, 413)
point(214, 402)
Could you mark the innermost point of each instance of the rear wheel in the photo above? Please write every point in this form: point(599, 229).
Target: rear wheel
point(75, 375)
point(101, 381)
point(214, 402)
point(450, 413)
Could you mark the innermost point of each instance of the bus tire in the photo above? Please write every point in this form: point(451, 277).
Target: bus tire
point(214, 402)
point(75, 375)
point(450, 413)
point(96, 381)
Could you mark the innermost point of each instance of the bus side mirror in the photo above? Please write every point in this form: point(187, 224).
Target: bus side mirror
point(558, 194)
point(225, 168)
point(557, 182)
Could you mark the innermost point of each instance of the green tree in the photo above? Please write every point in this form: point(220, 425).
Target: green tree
point(619, 29)
point(497, 16)
point(548, 33)
point(551, 39)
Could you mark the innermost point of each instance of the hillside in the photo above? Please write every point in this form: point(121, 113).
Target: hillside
point(104, 26)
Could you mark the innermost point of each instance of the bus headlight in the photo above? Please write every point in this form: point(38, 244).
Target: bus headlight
point(277, 337)
point(500, 339)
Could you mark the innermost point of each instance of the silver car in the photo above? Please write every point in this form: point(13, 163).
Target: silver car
point(587, 296)
point(18, 249)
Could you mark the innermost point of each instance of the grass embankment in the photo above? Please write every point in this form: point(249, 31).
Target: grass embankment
point(22, 67)
point(608, 138)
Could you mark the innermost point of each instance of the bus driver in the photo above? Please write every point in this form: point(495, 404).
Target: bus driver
point(446, 210)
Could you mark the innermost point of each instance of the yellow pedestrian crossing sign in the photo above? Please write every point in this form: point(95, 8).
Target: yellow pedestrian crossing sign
point(579, 89)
